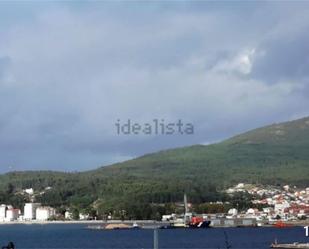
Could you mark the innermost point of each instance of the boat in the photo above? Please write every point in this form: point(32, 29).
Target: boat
point(114, 226)
point(117, 226)
point(295, 245)
point(281, 224)
point(189, 220)
point(199, 222)
point(135, 226)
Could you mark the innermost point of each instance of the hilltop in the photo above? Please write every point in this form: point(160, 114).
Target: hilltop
point(277, 153)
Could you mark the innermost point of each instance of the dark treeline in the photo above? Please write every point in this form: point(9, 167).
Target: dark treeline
point(128, 199)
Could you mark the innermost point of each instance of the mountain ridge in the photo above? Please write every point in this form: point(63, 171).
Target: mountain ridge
point(276, 154)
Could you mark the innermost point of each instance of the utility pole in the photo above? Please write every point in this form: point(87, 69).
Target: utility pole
point(155, 239)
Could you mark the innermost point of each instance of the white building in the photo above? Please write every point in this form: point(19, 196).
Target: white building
point(268, 210)
point(83, 216)
point(168, 217)
point(30, 210)
point(44, 213)
point(29, 191)
point(68, 215)
point(2, 212)
point(251, 211)
point(240, 185)
point(279, 207)
point(12, 214)
point(232, 213)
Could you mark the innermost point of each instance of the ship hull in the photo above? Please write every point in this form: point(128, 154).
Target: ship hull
point(204, 224)
point(201, 225)
point(291, 246)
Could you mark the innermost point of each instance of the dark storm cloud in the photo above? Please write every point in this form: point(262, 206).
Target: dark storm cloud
point(69, 71)
point(285, 58)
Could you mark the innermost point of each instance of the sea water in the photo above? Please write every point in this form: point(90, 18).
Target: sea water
point(78, 236)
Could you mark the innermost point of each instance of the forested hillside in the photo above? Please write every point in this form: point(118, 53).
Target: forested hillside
point(276, 154)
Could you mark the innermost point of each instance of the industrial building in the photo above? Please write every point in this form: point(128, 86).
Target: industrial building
point(30, 211)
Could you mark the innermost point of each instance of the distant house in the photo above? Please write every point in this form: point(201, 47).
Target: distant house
point(233, 212)
point(280, 207)
point(68, 215)
point(29, 191)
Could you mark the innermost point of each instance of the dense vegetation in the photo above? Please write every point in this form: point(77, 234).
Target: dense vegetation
point(148, 186)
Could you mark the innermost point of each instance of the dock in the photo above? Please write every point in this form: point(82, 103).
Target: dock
point(294, 245)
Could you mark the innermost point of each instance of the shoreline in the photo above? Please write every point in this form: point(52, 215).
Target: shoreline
point(141, 222)
point(34, 222)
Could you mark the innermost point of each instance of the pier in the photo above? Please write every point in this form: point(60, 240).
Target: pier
point(294, 245)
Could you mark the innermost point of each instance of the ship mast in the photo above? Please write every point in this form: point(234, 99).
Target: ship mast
point(186, 203)
point(187, 214)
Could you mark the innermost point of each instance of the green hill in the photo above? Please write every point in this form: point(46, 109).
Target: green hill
point(275, 154)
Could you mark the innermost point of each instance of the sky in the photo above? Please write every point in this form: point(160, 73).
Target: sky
point(69, 71)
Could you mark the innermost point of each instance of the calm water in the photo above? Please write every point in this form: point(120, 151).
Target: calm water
point(76, 236)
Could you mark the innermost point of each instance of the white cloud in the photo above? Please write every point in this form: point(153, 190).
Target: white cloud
point(240, 63)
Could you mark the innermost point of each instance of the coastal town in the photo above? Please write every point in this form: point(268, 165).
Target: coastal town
point(285, 204)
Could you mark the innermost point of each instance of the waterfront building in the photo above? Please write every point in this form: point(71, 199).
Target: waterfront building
point(168, 217)
point(30, 210)
point(83, 216)
point(2, 212)
point(68, 215)
point(44, 213)
point(232, 213)
point(12, 214)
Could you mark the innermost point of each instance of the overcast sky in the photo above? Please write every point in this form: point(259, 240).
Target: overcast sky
point(69, 71)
